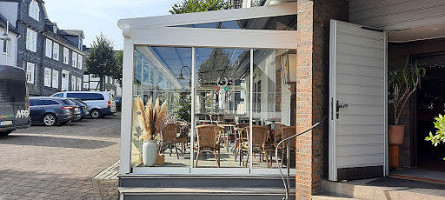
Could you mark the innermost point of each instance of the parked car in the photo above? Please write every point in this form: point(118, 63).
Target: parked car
point(99, 103)
point(83, 107)
point(14, 106)
point(51, 111)
point(119, 103)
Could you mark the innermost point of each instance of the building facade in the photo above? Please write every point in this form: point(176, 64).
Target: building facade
point(8, 36)
point(53, 58)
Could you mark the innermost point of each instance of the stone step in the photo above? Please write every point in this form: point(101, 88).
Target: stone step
point(385, 188)
point(331, 197)
point(201, 181)
point(225, 193)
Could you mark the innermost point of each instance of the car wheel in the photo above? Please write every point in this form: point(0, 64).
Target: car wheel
point(95, 114)
point(49, 120)
point(5, 133)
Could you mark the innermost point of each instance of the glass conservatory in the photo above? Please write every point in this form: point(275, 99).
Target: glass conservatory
point(215, 90)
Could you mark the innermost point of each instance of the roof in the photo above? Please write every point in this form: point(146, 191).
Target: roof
point(3, 24)
point(72, 32)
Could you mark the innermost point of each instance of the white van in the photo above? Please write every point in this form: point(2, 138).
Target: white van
point(99, 103)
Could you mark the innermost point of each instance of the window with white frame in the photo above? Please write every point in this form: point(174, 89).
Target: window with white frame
point(30, 68)
point(5, 46)
point(47, 78)
point(48, 48)
point(74, 59)
point(55, 80)
point(73, 82)
point(106, 79)
point(31, 40)
point(34, 10)
point(66, 55)
point(56, 51)
point(79, 61)
point(79, 83)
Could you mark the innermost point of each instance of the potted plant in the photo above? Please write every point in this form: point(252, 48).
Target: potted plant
point(439, 136)
point(402, 84)
point(151, 119)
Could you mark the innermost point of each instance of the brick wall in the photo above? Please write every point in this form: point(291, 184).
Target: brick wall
point(397, 54)
point(313, 89)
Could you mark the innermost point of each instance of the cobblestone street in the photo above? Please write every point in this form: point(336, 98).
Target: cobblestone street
point(58, 162)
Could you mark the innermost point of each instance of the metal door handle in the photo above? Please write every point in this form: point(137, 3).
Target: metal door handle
point(343, 105)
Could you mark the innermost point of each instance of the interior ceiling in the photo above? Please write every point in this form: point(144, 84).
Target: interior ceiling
point(419, 33)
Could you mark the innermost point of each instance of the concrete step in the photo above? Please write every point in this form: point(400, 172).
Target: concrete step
point(225, 193)
point(201, 181)
point(385, 188)
point(331, 197)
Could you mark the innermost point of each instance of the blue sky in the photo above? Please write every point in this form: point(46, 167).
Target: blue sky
point(101, 16)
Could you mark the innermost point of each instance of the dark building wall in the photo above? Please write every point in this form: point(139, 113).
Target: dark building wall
point(38, 57)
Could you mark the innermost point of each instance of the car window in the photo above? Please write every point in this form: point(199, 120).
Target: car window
point(86, 96)
point(36, 102)
point(68, 102)
point(58, 95)
point(50, 102)
point(6, 94)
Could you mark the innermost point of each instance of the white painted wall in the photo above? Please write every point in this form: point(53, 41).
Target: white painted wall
point(12, 49)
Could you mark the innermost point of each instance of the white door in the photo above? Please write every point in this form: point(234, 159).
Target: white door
point(358, 102)
point(65, 80)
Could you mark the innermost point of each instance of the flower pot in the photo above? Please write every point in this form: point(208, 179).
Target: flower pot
point(395, 134)
point(149, 153)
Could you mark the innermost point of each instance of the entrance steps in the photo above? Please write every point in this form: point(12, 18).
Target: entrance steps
point(382, 188)
point(197, 187)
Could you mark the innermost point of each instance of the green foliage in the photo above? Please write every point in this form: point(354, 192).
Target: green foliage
point(101, 60)
point(117, 70)
point(190, 6)
point(185, 109)
point(439, 136)
point(402, 84)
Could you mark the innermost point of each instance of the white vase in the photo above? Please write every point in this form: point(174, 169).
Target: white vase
point(149, 153)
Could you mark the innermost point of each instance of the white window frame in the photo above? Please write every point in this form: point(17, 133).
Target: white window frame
point(74, 59)
point(158, 31)
point(79, 61)
point(31, 40)
point(79, 84)
point(73, 83)
point(47, 77)
point(66, 55)
point(55, 79)
point(67, 73)
point(48, 48)
point(34, 10)
point(30, 72)
point(56, 50)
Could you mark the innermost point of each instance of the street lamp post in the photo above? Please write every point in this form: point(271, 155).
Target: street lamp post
point(181, 75)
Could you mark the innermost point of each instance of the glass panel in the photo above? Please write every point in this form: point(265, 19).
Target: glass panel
point(221, 106)
point(287, 22)
point(274, 104)
point(162, 82)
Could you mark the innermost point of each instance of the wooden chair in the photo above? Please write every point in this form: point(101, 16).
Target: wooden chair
point(285, 133)
point(208, 140)
point(169, 139)
point(184, 137)
point(260, 135)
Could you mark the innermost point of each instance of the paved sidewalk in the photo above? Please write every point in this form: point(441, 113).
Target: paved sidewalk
point(58, 162)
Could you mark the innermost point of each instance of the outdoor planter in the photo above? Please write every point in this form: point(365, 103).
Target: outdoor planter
point(395, 134)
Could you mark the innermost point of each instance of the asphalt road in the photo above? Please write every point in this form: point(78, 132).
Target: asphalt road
point(57, 162)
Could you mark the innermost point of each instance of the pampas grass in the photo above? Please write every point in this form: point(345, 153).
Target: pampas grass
point(152, 119)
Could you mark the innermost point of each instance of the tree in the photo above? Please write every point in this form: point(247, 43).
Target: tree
point(101, 59)
point(117, 71)
point(190, 6)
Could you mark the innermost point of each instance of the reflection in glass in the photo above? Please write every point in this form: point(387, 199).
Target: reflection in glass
point(221, 86)
point(287, 22)
point(160, 76)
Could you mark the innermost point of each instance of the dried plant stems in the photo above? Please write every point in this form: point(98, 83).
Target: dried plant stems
point(151, 119)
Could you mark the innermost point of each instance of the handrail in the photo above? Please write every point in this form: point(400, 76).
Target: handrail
point(286, 187)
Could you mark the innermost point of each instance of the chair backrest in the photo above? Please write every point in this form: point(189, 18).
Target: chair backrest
point(169, 132)
point(259, 135)
point(288, 131)
point(207, 135)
